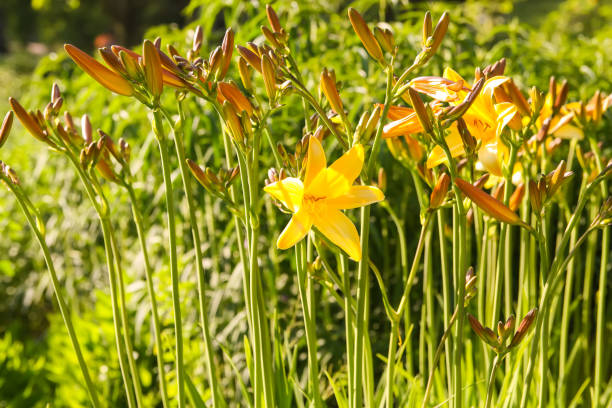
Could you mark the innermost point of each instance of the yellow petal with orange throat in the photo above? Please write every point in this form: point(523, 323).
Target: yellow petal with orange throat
point(288, 191)
point(295, 231)
point(358, 196)
point(337, 227)
point(316, 161)
point(337, 179)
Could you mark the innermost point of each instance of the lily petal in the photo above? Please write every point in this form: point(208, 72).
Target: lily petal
point(340, 230)
point(358, 196)
point(455, 145)
point(337, 179)
point(316, 160)
point(296, 229)
point(288, 191)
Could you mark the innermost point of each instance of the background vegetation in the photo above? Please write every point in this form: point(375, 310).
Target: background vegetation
point(570, 39)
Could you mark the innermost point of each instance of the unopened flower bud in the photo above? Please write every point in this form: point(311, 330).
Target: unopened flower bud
point(365, 35)
point(523, 328)
point(7, 123)
point(439, 192)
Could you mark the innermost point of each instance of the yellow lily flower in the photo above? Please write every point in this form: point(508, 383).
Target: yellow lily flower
point(318, 200)
point(560, 125)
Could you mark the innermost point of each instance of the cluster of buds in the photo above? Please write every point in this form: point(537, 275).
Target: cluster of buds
point(603, 219)
point(588, 162)
point(294, 162)
point(366, 127)
point(432, 37)
point(218, 183)
point(97, 155)
point(505, 331)
point(239, 114)
point(542, 191)
point(8, 175)
point(276, 34)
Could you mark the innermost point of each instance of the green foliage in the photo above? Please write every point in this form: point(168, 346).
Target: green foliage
point(37, 364)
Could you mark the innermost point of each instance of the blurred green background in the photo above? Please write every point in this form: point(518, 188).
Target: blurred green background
point(571, 39)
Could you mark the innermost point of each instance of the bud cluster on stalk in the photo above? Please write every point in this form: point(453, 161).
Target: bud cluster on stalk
point(506, 337)
point(542, 191)
point(217, 183)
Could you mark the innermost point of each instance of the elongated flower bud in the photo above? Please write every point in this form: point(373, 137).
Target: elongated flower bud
point(231, 93)
point(269, 77)
point(420, 110)
point(487, 335)
point(7, 123)
point(253, 59)
point(328, 86)
point(384, 36)
point(365, 35)
point(152, 68)
point(439, 32)
point(427, 27)
point(517, 197)
point(438, 194)
point(99, 72)
point(488, 204)
point(227, 48)
point(27, 120)
point(524, 327)
point(233, 122)
point(273, 19)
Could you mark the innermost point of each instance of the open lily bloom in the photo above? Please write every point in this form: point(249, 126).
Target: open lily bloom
point(485, 120)
point(318, 200)
point(440, 88)
point(560, 125)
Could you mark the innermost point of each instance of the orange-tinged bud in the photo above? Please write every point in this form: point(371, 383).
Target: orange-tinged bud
point(7, 123)
point(365, 35)
point(535, 196)
point(112, 60)
point(438, 194)
point(427, 27)
point(253, 59)
point(384, 36)
point(227, 48)
point(269, 34)
point(130, 63)
point(199, 174)
point(420, 110)
point(245, 74)
point(197, 39)
point(99, 72)
point(561, 96)
point(488, 204)
point(152, 68)
point(269, 76)
point(523, 328)
point(517, 197)
point(55, 92)
point(231, 93)
point(439, 32)
point(487, 335)
point(382, 179)
point(328, 86)
point(517, 97)
point(86, 130)
point(27, 120)
point(273, 19)
point(233, 122)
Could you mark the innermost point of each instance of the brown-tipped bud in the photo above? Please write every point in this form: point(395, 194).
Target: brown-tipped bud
point(420, 110)
point(365, 35)
point(27, 120)
point(438, 194)
point(328, 86)
point(197, 39)
point(69, 122)
point(99, 72)
point(561, 96)
point(152, 69)
point(598, 109)
point(57, 105)
point(55, 92)
point(488, 204)
point(9, 174)
point(427, 27)
point(487, 335)
point(382, 179)
point(535, 196)
point(268, 71)
point(470, 282)
point(517, 197)
point(482, 181)
point(231, 93)
point(131, 65)
point(505, 329)
point(498, 191)
point(7, 123)
point(270, 36)
point(214, 61)
point(125, 150)
point(469, 142)
point(201, 176)
point(227, 48)
point(537, 101)
point(233, 122)
point(273, 19)
point(524, 327)
point(439, 32)
point(252, 58)
point(384, 36)
point(86, 129)
point(112, 60)
point(543, 132)
point(457, 111)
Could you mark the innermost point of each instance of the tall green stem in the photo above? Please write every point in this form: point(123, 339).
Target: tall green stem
point(491, 386)
point(174, 273)
point(63, 307)
point(197, 246)
point(138, 220)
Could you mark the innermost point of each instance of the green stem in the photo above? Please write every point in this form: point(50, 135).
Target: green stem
point(174, 272)
point(309, 323)
point(491, 386)
point(444, 270)
point(138, 220)
point(63, 307)
point(217, 398)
